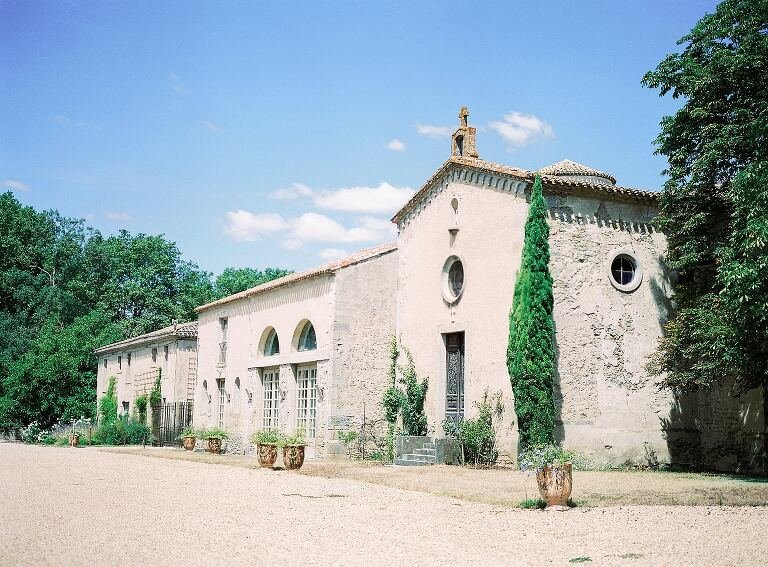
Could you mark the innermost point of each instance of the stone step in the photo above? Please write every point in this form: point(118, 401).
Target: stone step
point(411, 463)
point(429, 452)
point(418, 457)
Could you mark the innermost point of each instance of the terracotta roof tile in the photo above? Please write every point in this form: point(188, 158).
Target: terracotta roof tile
point(567, 167)
point(180, 330)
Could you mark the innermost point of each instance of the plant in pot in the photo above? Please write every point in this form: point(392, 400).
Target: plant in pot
point(214, 436)
point(266, 441)
point(293, 449)
point(188, 437)
point(74, 436)
point(553, 467)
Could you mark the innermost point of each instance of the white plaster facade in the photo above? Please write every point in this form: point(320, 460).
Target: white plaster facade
point(135, 363)
point(351, 307)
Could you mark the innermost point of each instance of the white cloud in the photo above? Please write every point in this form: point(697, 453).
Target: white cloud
point(67, 121)
point(518, 129)
point(291, 244)
point(311, 227)
point(434, 131)
point(118, 216)
point(395, 145)
point(332, 254)
point(384, 198)
point(211, 126)
point(15, 185)
point(293, 192)
point(244, 226)
point(177, 84)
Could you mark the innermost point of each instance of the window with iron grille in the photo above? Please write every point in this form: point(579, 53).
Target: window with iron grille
point(270, 379)
point(222, 401)
point(306, 400)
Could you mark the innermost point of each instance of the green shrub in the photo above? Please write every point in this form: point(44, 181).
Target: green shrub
point(298, 438)
point(266, 437)
point(408, 401)
point(189, 431)
point(477, 436)
point(214, 433)
point(141, 407)
point(536, 457)
point(123, 431)
point(531, 347)
point(155, 396)
point(108, 404)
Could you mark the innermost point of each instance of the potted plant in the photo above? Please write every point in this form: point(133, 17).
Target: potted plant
point(188, 437)
point(74, 436)
point(553, 468)
point(214, 436)
point(266, 441)
point(293, 450)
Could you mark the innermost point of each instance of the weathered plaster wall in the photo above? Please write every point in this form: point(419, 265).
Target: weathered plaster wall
point(138, 376)
point(608, 404)
point(363, 324)
point(489, 242)
point(249, 319)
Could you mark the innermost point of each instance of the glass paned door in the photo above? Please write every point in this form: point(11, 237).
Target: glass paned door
point(306, 399)
point(270, 379)
point(222, 401)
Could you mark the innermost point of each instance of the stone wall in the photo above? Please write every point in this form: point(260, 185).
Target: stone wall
point(363, 325)
point(608, 406)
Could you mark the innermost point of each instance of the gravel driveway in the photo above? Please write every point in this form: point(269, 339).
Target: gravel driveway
point(64, 506)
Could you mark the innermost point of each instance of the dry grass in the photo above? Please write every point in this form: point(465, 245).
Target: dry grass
point(508, 487)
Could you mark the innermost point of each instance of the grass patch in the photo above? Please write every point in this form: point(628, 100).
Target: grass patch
point(580, 559)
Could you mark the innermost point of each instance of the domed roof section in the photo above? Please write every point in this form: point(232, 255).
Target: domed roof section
point(578, 172)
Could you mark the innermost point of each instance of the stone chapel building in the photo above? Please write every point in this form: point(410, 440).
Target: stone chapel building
point(311, 350)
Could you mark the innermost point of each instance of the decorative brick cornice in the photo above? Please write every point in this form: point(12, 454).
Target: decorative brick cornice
point(505, 178)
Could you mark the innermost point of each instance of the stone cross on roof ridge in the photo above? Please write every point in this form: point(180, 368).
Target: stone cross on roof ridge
point(463, 139)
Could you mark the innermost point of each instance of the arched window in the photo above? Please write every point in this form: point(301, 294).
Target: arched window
point(272, 344)
point(307, 339)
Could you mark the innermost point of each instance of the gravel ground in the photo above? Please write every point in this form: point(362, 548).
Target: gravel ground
point(66, 506)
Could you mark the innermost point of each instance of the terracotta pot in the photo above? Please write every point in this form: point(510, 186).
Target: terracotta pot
point(555, 485)
point(293, 456)
point(267, 454)
point(74, 439)
point(189, 443)
point(214, 445)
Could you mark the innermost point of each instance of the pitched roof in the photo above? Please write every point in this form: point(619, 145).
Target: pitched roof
point(560, 182)
point(567, 167)
point(329, 268)
point(180, 330)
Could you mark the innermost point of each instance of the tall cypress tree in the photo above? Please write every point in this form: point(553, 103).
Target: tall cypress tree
point(531, 351)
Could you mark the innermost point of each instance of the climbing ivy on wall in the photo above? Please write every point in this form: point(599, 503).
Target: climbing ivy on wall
point(530, 350)
point(406, 400)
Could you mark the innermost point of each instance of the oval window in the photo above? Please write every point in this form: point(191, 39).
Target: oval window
point(453, 279)
point(624, 271)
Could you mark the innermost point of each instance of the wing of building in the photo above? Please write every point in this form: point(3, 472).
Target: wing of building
point(311, 350)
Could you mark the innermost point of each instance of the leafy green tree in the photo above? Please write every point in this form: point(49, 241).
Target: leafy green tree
point(530, 350)
point(235, 280)
point(714, 206)
point(55, 378)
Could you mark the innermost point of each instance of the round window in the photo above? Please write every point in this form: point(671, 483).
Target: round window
point(453, 279)
point(624, 271)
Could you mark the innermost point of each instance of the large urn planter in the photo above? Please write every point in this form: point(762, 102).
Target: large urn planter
point(189, 443)
point(293, 456)
point(214, 445)
point(267, 454)
point(555, 485)
point(74, 439)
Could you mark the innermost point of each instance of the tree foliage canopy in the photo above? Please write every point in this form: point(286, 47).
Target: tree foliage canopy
point(66, 290)
point(531, 349)
point(714, 206)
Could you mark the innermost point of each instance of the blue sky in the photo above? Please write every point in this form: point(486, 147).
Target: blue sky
point(285, 134)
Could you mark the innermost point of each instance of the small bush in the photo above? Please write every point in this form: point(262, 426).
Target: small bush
point(108, 404)
point(214, 433)
point(141, 407)
point(122, 431)
point(477, 437)
point(532, 504)
point(266, 437)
